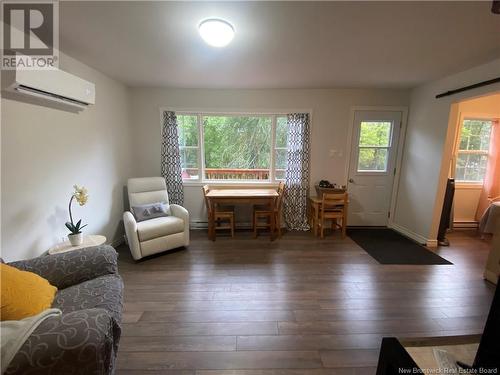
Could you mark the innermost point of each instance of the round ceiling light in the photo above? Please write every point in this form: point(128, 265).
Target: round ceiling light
point(216, 32)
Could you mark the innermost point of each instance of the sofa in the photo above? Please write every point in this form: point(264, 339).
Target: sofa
point(84, 338)
point(158, 234)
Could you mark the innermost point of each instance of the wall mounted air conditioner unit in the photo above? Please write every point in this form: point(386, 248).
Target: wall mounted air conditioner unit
point(54, 85)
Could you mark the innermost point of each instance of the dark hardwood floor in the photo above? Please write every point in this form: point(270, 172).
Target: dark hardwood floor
point(299, 305)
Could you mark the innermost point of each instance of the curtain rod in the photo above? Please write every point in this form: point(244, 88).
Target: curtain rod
point(470, 87)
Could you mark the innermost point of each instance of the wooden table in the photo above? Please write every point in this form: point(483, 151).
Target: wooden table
point(88, 241)
point(243, 196)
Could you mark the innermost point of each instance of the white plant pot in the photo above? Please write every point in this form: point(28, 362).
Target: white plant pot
point(75, 239)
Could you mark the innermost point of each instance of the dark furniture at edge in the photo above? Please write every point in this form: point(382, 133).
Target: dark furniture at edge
point(395, 360)
point(84, 339)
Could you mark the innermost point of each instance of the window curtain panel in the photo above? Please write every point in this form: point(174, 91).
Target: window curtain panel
point(297, 172)
point(491, 184)
point(171, 158)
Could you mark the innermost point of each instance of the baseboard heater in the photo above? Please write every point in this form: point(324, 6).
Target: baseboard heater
point(465, 225)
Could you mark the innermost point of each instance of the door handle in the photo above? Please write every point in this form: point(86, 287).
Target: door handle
point(351, 180)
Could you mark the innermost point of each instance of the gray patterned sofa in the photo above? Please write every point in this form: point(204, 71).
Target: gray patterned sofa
point(84, 339)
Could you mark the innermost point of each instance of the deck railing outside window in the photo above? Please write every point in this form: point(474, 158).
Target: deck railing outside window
point(232, 174)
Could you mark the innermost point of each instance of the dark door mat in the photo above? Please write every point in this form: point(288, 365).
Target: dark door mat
point(389, 247)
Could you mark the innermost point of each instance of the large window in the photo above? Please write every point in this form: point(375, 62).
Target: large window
point(473, 149)
point(232, 147)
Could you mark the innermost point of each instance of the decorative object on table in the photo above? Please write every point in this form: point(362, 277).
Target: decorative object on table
point(81, 196)
point(325, 186)
point(88, 240)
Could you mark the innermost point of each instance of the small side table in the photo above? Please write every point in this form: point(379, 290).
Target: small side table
point(88, 241)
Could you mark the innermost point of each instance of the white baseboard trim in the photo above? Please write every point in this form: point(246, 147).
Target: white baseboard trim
point(410, 234)
point(432, 243)
point(194, 224)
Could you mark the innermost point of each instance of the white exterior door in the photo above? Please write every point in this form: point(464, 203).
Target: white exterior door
point(372, 166)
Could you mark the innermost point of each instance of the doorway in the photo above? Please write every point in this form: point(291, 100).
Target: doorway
point(372, 166)
point(475, 159)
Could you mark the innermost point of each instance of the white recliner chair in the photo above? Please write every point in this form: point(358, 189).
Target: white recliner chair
point(158, 234)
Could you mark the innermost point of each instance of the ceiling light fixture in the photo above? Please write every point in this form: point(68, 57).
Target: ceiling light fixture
point(216, 32)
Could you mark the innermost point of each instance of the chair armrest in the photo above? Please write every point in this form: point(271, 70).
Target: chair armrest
point(80, 342)
point(71, 268)
point(182, 213)
point(131, 233)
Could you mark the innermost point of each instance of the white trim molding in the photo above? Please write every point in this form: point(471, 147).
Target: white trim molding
point(412, 235)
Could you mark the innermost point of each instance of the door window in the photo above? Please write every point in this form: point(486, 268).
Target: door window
point(374, 143)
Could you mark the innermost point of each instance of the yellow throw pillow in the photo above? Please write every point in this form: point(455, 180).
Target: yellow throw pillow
point(23, 293)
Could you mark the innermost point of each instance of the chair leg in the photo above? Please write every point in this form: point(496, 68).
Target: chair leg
point(316, 227)
point(278, 223)
point(211, 228)
point(322, 234)
point(232, 226)
point(344, 226)
point(272, 224)
point(254, 225)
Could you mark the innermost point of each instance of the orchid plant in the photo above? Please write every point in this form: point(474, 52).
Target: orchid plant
point(81, 196)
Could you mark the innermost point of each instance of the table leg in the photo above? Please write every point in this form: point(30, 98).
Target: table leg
point(273, 225)
point(316, 218)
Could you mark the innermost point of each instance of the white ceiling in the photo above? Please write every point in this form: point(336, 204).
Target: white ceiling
point(281, 44)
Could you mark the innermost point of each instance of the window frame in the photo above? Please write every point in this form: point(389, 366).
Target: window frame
point(388, 148)
point(201, 180)
point(463, 118)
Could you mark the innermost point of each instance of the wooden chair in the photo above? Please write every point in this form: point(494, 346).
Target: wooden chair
point(270, 214)
point(217, 220)
point(333, 207)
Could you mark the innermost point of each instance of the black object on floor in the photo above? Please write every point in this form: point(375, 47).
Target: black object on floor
point(390, 247)
point(444, 224)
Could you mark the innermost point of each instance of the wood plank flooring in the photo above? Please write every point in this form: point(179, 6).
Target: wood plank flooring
point(299, 305)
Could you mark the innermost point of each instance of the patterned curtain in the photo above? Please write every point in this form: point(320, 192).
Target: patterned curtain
point(171, 159)
point(297, 172)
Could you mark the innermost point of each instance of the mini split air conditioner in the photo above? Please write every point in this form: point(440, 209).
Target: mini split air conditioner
point(54, 85)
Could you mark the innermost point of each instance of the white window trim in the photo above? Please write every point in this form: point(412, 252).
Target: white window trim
point(470, 184)
point(234, 183)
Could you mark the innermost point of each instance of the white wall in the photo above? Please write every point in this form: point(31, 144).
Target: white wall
point(330, 121)
point(465, 203)
point(45, 151)
point(424, 170)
